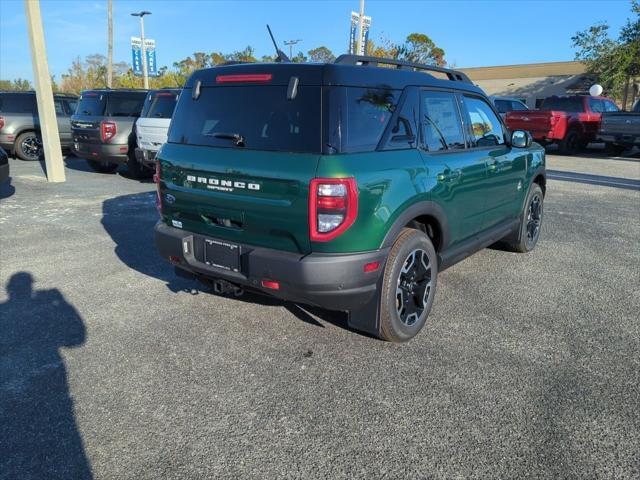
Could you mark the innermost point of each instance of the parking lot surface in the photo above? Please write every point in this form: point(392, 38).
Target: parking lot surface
point(111, 367)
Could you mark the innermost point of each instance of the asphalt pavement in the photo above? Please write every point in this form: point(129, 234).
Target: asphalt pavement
point(111, 367)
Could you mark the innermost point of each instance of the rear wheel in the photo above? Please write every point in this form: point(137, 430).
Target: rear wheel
point(530, 221)
point(136, 169)
point(409, 286)
point(615, 150)
point(29, 146)
point(572, 143)
point(102, 166)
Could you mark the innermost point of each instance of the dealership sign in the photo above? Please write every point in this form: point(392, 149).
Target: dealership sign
point(150, 53)
point(353, 34)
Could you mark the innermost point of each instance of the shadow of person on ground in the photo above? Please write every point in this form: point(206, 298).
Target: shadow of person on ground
point(130, 219)
point(39, 436)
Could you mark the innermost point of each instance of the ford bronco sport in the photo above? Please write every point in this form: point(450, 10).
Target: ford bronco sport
point(346, 185)
point(102, 129)
point(153, 124)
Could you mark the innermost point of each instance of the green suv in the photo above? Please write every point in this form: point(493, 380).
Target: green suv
point(348, 185)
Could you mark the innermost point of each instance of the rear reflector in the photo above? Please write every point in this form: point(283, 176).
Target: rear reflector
point(371, 267)
point(174, 259)
point(271, 284)
point(248, 77)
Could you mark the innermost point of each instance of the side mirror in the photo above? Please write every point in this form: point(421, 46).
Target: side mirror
point(521, 139)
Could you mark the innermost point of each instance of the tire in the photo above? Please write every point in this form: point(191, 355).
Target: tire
point(103, 167)
point(408, 287)
point(28, 146)
point(136, 170)
point(530, 222)
point(572, 143)
point(614, 150)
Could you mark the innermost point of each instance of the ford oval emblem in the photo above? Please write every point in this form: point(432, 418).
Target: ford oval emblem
point(169, 198)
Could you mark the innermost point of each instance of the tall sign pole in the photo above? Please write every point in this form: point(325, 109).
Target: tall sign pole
point(145, 73)
point(360, 26)
point(110, 44)
point(44, 94)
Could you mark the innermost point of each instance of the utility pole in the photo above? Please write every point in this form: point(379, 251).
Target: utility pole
point(360, 29)
point(291, 43)
point(110, 43)
point(145, 74)
point(44, 94)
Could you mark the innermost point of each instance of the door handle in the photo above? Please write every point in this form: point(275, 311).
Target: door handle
point(449, 175)
point(492, 166)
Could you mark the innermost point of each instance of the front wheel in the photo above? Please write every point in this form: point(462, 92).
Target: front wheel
point(530, 221)
point(409, 286)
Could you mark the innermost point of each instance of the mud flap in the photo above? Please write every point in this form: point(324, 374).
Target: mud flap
point(366, 318)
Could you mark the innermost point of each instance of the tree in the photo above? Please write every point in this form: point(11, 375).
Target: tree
point(19, 85)
point(321, 55)
point(419, 48)
point(613, 61)
point(299, 58)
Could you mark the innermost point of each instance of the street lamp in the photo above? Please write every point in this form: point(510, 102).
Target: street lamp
point(291, 43)
point(143, 51)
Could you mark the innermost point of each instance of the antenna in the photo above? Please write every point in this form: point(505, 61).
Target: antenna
point(280, 56)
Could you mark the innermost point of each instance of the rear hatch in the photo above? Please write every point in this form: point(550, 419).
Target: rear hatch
point(531, 120)
point(620, 123)
point(153, 124)
point(241, 154)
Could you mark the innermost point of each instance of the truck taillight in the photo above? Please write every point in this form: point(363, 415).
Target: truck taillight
point(333, 207)
point(1, 122)
point(156, 180)
point(108, 130)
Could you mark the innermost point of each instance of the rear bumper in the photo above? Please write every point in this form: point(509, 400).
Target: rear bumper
point(103, 152)
point(146, 157)
point(620, 139)
point(331, 281)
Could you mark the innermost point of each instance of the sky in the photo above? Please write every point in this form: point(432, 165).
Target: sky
point(472, 32)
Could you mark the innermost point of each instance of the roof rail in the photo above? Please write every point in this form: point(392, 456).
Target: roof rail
point(453, 75)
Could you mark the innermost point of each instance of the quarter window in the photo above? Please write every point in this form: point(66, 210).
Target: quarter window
point(441, 123)
point(486, 129)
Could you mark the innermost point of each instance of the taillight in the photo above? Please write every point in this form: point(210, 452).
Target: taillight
point(246, 77)
point(1, 122)
point(108, 130)
point(156, 180)
point(333, 207)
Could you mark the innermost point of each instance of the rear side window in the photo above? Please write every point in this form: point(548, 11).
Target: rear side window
point(71, 106)
point(17, 103)
point(159, 105)
point(358, 117)
point(503, 106)
point(486, 129)
point(563, 104)
point(120, 105)
point(251, 117)
point(441, 124)
point(517, 106)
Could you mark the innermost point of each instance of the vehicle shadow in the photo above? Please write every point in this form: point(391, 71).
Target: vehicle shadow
point(80, 164)
point(6, 189)
point(40, 438)
point(129, 220)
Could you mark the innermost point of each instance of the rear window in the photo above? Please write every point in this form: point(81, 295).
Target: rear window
point(563, 104)
point(17, 103)
point(111, 104)
point(251, 117)
point(160, 105)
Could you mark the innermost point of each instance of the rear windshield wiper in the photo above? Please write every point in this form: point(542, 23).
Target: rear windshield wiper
point(229, 136)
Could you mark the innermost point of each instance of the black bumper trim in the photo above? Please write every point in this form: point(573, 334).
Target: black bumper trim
point(331, 281)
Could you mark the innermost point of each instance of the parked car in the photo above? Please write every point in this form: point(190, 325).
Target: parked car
point(508, 104)
point(620, 131)
point(20, 125)
point(4, 166)
point(153, 124)
point(346, 185)
point(571, 122)
point(102, 128)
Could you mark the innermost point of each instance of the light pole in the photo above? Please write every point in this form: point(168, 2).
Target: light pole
point(143, 50)
point(291, 43)
point(360, 26)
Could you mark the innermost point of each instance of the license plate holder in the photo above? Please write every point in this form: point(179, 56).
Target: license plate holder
point(221, 254)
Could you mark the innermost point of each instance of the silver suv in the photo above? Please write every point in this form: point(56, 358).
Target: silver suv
point(102, 128)
point(153, 124)
point(20, 126)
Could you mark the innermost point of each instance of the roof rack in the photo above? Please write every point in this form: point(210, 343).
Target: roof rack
point(453, 75)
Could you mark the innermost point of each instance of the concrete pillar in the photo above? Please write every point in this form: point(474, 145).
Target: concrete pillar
point(44, 94)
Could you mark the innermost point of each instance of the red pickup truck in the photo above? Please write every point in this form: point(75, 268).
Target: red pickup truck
point(570, 121)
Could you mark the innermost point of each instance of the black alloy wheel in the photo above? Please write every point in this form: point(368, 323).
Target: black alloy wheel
point(414, 287)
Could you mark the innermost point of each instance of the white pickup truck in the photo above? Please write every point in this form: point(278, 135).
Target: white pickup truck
point(153, 124)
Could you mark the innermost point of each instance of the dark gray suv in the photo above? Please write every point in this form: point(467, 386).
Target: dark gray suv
point(102, 128)
point(20, 127)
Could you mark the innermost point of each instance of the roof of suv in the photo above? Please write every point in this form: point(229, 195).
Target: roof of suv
point(32, 92)
point(347, 72)
point(114, 90)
